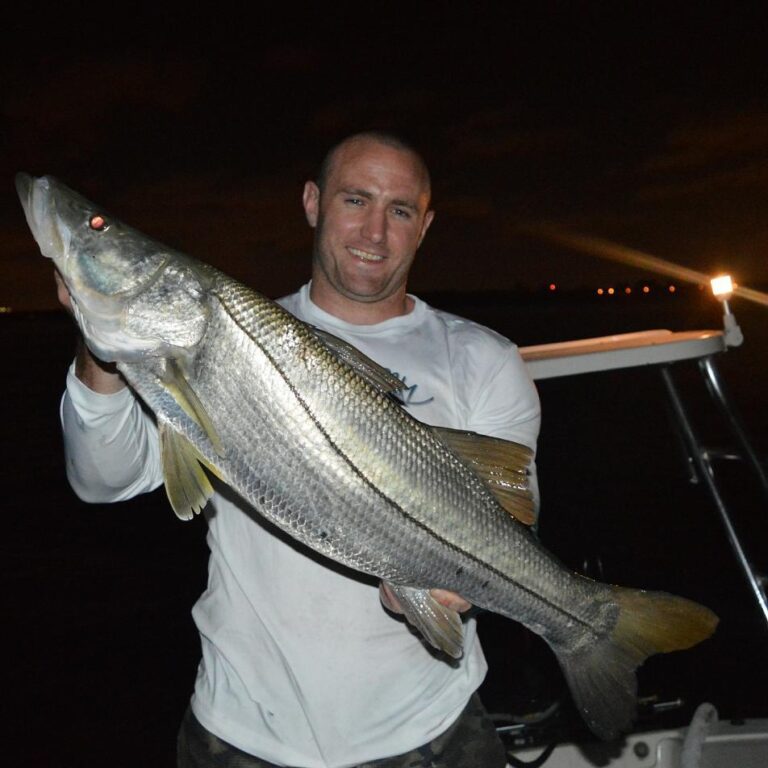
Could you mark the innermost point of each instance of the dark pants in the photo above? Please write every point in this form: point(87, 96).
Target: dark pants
point(471, 742)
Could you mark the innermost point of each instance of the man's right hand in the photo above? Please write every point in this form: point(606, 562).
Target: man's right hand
point(97, 375)
point(448, 599)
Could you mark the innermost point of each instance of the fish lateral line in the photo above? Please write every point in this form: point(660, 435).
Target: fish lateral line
point(363, 477)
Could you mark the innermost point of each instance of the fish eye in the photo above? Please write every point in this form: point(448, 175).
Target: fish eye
point(98, 222)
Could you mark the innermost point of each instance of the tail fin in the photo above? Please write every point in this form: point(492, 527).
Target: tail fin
point(601, 673)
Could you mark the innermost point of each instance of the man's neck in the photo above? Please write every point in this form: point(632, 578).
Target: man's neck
point(361, 312)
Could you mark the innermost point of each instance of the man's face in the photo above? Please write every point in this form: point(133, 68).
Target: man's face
point(370, 218)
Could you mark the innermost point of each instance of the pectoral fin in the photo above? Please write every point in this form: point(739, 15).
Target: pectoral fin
point(503, 466)
point(177, 385)
point(186, 483)
point(440, 626)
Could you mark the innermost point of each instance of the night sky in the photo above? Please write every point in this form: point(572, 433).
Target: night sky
point(644, 123)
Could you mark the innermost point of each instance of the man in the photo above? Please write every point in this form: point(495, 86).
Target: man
point(301, 665)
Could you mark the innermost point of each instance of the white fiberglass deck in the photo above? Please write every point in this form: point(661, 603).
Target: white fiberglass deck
point(722, 745)
point(603, 353)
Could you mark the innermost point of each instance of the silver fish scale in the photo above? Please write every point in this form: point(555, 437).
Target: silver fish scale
point(347, 471)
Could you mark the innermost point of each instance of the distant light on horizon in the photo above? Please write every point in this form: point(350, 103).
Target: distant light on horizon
point(600, 291)
point(646, 289)
point(552, 287)
point(672, 289)
point(6, 310)
point(611, 291)
point(627, 290)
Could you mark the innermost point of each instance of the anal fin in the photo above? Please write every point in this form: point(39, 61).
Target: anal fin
point(440, 626)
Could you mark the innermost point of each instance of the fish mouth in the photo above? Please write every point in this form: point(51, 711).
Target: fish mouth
point(37, 200)
point(98, 316)
point(366, 255)
point(23, 187)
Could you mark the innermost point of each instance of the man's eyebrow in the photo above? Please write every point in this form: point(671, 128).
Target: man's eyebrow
point(357, 192)
point(406, 204)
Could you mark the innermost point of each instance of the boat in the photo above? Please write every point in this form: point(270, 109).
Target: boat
point(707, 741)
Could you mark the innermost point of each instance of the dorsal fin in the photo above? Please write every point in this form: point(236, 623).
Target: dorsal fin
point(248, 305)
point(502, 464)
point(375, 374)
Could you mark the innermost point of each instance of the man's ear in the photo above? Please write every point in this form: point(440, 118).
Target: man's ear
point(428, 217)
point(311, 200)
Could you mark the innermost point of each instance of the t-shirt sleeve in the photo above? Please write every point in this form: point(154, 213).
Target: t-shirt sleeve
point(111, 444)
point(507, 403)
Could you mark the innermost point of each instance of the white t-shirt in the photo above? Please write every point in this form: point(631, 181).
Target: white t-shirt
point(301, 664)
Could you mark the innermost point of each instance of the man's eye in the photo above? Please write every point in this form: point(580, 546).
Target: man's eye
point(354, 200)
point(403, 213)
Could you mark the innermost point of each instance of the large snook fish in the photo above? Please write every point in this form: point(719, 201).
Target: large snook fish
point(306, 429)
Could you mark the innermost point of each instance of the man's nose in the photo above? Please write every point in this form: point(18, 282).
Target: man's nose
point(375, 225)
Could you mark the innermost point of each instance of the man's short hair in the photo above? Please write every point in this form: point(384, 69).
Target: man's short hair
point(381, 137)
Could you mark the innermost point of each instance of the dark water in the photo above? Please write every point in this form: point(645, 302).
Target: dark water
point(100, 647)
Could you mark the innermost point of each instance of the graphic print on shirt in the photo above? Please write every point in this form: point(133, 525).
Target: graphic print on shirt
point(407, 395)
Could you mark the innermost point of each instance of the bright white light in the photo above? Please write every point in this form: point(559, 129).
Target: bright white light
point(722, 286)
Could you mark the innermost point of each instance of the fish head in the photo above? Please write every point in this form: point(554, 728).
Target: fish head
point(132, 297)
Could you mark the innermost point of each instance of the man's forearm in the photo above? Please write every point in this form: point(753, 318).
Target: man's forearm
point(97, 375)
point(110, 442)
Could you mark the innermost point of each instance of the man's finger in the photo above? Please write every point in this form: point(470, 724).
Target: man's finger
point(62, 291)
point(450, 600)
point(388, 599)
point(443, 596)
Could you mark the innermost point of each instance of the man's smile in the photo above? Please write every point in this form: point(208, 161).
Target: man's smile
point(365, 255)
